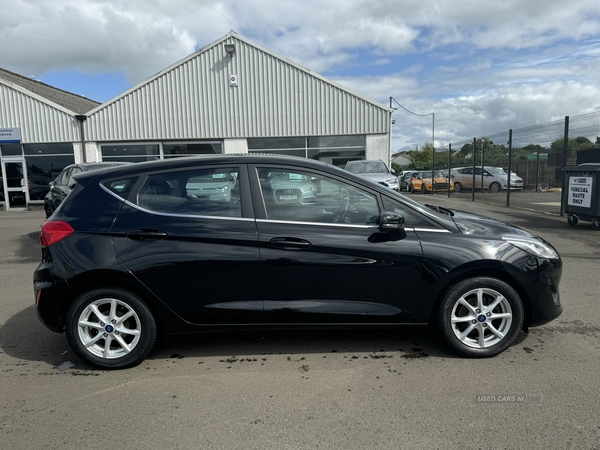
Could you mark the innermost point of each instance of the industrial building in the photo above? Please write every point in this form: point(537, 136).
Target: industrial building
point(232, 96)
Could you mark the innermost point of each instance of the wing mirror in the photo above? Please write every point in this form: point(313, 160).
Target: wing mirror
point(391, 222)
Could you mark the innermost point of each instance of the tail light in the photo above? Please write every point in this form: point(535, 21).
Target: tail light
point(54, 231)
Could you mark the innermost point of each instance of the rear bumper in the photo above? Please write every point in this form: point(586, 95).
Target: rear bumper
point(49, 294)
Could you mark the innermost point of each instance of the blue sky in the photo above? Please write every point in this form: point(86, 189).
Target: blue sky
point(482, 67)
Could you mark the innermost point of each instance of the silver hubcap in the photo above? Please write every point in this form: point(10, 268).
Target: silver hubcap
point(109, 328)
point(481, 318)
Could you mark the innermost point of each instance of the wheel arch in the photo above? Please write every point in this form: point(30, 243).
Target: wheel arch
point(99, 279)
point(491, 272)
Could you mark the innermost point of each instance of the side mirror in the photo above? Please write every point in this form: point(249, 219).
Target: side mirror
point(391, 222)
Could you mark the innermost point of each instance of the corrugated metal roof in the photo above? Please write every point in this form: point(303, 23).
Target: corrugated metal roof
point(193, 99)
point(73, 102)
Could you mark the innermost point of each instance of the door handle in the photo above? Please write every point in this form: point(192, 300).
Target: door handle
point(146, 234)
point(286, 243)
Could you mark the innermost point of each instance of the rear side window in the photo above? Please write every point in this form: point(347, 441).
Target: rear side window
point(198, 192)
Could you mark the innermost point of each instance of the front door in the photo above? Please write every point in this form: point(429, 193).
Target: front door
point(323, 257)
point(14, 184)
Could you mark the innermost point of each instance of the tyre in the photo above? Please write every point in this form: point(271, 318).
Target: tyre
point(480, 317)
point(495, 187)
point(423, 189)
point(110, 328)
point(411, 188)
point(595, 224)
point(457, 187)
point(572, 220)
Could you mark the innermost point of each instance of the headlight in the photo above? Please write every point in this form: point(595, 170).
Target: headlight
point(532, 245)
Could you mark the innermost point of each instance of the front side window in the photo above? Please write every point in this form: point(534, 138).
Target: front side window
point(411, 218)
point(198, 192)
point(299, 196)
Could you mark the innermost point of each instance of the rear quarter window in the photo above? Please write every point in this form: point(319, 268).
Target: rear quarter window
point(121, 187)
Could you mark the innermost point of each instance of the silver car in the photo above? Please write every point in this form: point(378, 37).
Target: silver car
point(495, 179)
point(375, 170)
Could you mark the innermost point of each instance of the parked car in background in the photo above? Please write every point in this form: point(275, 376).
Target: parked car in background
point(130, 255)
point(375, 170)
point(290, 187)
point(406, 180)
point(16, 198)
point(64, 182)
point(423, 182)
point(495, 179)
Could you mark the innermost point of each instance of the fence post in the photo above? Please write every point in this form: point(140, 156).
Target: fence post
point(473, 186)
point(449, 167)
point(564, 164)
point(509, 167)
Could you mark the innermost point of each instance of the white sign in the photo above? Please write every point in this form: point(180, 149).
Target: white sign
point(10, 135)
point(233, 80)
point(580, 191)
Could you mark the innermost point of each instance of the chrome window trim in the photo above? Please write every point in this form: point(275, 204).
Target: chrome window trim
point(294, 222)
point(432, 230)
point(164, 214)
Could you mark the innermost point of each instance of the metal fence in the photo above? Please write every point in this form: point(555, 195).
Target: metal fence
point(535, 153)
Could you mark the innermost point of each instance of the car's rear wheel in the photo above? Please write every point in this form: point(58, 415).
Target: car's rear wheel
point(457, 187)
point(423, 188)
point(495, 187)
point(110, 328)
point(480, 317)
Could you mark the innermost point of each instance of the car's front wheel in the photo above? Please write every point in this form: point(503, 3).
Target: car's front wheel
point(480, 317)
point(457, 187)
point(110, 328)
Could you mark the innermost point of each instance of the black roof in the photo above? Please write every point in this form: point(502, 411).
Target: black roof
point(73, 102)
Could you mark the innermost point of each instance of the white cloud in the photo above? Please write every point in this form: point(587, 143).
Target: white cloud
point(480, 65)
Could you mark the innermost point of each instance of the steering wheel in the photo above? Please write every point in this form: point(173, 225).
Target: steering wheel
point(342, 210)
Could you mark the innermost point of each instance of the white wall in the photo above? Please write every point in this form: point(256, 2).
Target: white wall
point(378, 147)
point(235, 146)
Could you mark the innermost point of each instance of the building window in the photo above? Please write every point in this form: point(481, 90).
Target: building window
point(130, 152)
point(174, 150)
point(44, 162)
point(336, 150)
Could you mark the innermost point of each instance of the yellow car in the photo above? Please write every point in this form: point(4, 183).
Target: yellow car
point(422, 182)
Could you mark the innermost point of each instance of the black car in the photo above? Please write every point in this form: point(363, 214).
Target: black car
point(131, 253)
point(64, 182)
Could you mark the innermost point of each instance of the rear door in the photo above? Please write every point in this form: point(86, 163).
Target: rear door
point(196, 253)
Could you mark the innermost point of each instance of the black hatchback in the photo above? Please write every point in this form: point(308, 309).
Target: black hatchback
point(213, 243)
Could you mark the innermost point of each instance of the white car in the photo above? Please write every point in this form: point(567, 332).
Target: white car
point(375, 170)
point(495, 179)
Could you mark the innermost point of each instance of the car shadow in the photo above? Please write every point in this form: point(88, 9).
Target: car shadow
point(26, 340)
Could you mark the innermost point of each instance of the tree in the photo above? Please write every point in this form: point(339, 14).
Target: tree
point(575, 144)
point(421, 158)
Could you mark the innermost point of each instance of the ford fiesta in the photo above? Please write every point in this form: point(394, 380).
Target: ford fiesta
point(134, 252)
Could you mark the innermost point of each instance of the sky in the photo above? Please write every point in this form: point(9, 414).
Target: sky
point(480, 66)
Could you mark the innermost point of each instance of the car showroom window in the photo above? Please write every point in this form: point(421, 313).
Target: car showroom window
point(412, 219)
point(300, 196)
point(198, 192)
